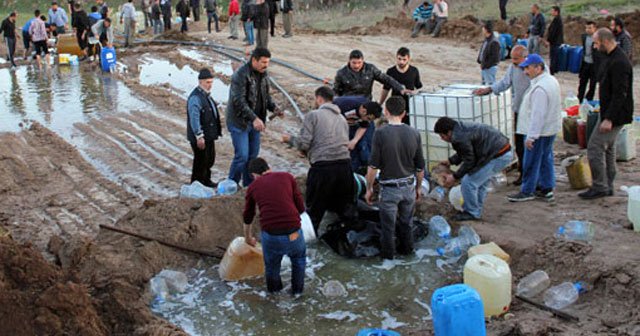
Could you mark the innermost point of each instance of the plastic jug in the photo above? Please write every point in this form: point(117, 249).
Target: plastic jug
point(582, 134)
point(491, 277)
point(437, 194)
point(633, 206)
point(579, 171)
point(455, 197)
point(227, 187)
point(574, 59)
point(63, 59)
point(625, 145)
point(571, 99)
point(307, 228)
point(68, 44)
point(241, 261)
point(533, 284)
point(196, 190)
point(108, 59)
point(577, 230)
point(439, 229)
point(467, 237)
point(377, 332)
point(563, 295)
point(489, 248)
point(457, 311)
point(570, 130)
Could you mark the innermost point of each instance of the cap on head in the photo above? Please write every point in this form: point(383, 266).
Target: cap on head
point(532, 59)
point(205, 74)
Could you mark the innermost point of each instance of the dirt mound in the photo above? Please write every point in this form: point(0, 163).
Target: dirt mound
point(37, 298)
point(175, 35)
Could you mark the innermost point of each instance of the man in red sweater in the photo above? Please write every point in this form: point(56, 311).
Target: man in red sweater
point(280, 203)
point(234, 16)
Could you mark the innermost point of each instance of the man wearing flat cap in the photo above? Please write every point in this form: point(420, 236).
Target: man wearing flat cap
point(203, 128)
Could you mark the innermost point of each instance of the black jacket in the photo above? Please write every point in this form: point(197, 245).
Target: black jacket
point(248, 88)
point(80, 21)
point(537, 25)
point(288, 6)
point(555, 34)
point(183, 9)
point(273, 7)
point(8, 28)
point(209, 121)
point(247, 11)
point(261, 19)
point(166, 9)
point(156, 12)
point(595, 53)
point(351, 83)
point(489, 54)
point(616, 88)
point(475, 145)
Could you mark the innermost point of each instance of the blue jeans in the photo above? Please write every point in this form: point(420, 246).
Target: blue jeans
point(362, 152)
point(489, 75)
point(273, 249)
point(246, 146)
point(474, 186)
point(248, 29)
point(537, 166)
point(396, 210)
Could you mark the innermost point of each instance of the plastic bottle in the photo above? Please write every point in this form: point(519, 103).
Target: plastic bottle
point(459, 245)
point(227, 187)
point(469, 234)
point(533, 284)
point(439, 229)
point(499, 181)
point(584, 110)
point(563, 295)
point(576, 230)
point(333, 288)
point(571, 100)
point(159, 290)
point(438, 193)
point(196, 190)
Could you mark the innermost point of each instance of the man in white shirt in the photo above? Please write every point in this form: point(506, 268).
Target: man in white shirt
point(440, 15)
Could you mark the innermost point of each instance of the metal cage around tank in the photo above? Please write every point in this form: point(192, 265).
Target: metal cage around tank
point(456, 101)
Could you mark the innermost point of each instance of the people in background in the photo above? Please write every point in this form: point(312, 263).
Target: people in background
point(261, 23)
point(248, 14)
point(128, 18)
point(536, 29)
point(182, 9)
point(407, 75)
point(166, 13)
point(211, 6)
point(273, 10)
point(503, 9)
point(234, 16)
point(195, 9)
point(82, 26)
point(286, 7)
point(38, 32)
point(623, 38)
point(357, 77)
point(156, 17)
point(590, 64)
point(421, 16)
point(8, 29)
point(26, 37)
point(58, 17)
point(554, 39)
point(440, 16)
point(489, 55)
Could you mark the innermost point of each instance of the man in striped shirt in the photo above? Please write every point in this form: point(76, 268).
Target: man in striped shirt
point(421, 16)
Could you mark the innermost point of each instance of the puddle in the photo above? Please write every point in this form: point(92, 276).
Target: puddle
point(382, 297)
point(221, 66)
point(181, 81)
point(59, 97)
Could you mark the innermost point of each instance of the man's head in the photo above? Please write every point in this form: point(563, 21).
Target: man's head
point(617, 25)
point(487, 29)
point(36, 13)
point(444, 128)
point(533, 65)
point(590, 27)
point(324, 94)
point(205, 79)
point(555, 11)
point(260, 58)
point(43, 18)
point(356, 60)
point(604, 40)
point(370, 111)
point(99, 2)
point(403, 57)
point(394, 107)
point(54, 6)
point(518, 54)
point(13, 16)
point(257, 167)
point(107, 22)
point(535, 9)
point(77, 6)
point(94, 9)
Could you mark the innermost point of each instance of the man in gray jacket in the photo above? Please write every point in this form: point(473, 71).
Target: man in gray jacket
point(519, 82)
point(324, 138)
point(357, 77)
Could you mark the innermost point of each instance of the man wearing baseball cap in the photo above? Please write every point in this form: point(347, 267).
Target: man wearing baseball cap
point(539, 121)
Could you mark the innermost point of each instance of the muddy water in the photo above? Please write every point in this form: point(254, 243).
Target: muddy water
point(392, 295)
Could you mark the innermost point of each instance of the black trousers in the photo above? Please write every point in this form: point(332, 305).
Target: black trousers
point(166, 18)
point(587, 75)
point(330, 187)
point(203, 160)
point(503, 9)
point(196, 13)
point(554, 55)
point(184, 27)
point(11, 48)
point(272, 24)
point(519, 140)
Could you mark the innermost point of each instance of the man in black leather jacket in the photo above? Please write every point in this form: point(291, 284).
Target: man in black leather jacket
point(481, 152)
point(357, 77)
point(246, 116)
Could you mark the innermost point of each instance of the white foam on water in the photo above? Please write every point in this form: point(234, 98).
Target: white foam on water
point(425, 306)
point(421, 253)
point(390, 322)
point(340, 315)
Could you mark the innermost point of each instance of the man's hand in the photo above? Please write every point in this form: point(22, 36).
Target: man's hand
point(418, 196)
point(352, 145)
point(407, 92)
point(368, 196)
point(445, 163)
point(286, 138)
point(250, 240)
point(449, 180)
point(200, 143)
point(482, 91)
point(605, 126)
point(529, 143)
point(258, 125)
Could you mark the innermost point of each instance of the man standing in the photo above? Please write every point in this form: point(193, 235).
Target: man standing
point(503, 9)
point(440, 16)
point(81, 25)
point(590, 64)
point(540, 120)
point(519, 82)
point(248, 14)
point(407, 75)
point(421, 16)
point(156, 17)
point(145, 6)
point(536, 29)
point(323, 139)
point(357, 77)
point(58, 17)
point(195, 8)
point(249, 101)
point(234, 16)
point(623, 38)
point(104, 9)
point(489, 55)
point(203, 128)
point(397, 155)
point(555, 38)
point(616, 110)
point(128, 17)
point(212, 14)
point(262, 23)
point(286, 7)
point(26, 38)
point(166, 13)
point(183, 10)
point(38, 32)
point(103, 30)
point(280, 203)
point(273, 10)
point(481, 151)
point(361, 115)
point(8, 29)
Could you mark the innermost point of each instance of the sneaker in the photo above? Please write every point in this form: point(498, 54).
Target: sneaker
point(464, 216)
point(521, 197)
point(547, 195)
point(592, 194)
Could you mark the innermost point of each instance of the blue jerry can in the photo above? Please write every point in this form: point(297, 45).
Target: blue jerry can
point(108, 59)
point(523, 42)
point(457, 311)
point(377, 332)
point(563, 57)
point(575, 59)
point(506, 44)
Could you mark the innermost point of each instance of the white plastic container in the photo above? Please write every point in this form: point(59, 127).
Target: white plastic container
point(633, 206)
point(307, 228)
point(241, 261)
point(455, 197)
point(533, 284)
point(491, 277)
point(562, 295)
point(626, 144)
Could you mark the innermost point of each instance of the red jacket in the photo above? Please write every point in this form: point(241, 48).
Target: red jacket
point(234, 8)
